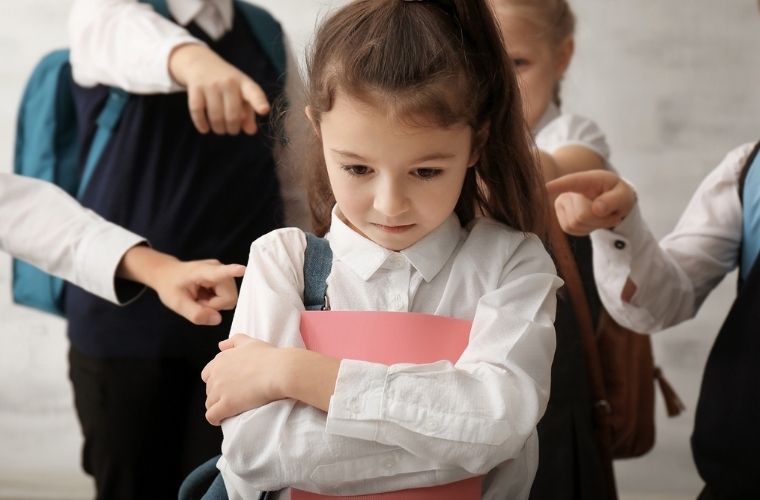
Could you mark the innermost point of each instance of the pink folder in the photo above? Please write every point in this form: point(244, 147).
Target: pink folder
point(389, 338)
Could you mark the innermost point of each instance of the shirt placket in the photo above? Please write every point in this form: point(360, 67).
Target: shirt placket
point(398, 283)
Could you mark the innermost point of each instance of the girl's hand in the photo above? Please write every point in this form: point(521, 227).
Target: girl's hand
point(595, 199)
point(220, 97)
point(242, 377)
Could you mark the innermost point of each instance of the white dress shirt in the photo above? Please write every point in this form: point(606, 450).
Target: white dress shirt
point(126, 44)
point(405, 425)
point(42, 225)
point(556, 130)
point(673, 277)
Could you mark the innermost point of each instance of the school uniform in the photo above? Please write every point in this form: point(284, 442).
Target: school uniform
point(43, 225)
point(673, 278)
point(403, 426)
point(135, 370)
point(570, 465)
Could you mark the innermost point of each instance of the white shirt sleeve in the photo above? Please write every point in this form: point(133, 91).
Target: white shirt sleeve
point(42, 225)
point(673, 277)
point(123, 43)
point(400, 426)
point(418, 408)
point(573, 130)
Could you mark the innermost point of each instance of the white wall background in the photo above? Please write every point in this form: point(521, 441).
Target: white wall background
point(674, 85)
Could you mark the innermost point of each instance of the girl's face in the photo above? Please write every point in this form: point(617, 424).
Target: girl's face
point(539, 64)
point(393, 183)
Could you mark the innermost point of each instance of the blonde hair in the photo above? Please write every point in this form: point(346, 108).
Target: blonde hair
point(554, 18)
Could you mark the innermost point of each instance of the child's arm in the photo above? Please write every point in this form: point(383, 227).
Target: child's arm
point(648, 286)
point(196, 290)
point(126, 44)
point(571, 144)
point(41, 224)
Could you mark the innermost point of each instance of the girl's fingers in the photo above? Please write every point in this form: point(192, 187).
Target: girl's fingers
point(254, 95)
point(233, 105)
point(215, 111)
point(196, 103)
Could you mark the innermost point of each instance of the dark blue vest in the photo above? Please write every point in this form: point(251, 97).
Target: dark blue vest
point(191, 195)
point(726, 439)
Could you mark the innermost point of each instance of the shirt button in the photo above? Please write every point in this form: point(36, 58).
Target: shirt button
point(390, 464)
point(619, 244)
point(354, 406)
point(431, 424)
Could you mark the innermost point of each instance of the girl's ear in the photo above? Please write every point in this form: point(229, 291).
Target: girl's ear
point(478, 142)
point(310, 116)
point(564, 54)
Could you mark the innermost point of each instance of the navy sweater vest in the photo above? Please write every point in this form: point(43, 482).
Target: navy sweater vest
point(191, 195)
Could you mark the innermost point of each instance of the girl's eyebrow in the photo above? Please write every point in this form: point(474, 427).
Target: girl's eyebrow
point(423, 159)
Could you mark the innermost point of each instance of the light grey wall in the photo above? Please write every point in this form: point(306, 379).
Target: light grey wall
point(673, 83)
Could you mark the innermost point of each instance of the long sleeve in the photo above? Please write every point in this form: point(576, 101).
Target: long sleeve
point(673, 277)
point(374, 438)
point(42, 225)
point(123, 43)
point(502, 379)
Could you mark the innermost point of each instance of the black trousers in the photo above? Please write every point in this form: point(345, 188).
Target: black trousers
point(143, 423)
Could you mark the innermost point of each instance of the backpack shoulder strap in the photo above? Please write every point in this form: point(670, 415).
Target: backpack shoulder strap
point(749, 195)
point(267, 31)
point(316, 268)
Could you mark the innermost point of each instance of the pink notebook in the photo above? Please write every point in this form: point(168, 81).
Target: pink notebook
point(388, 338)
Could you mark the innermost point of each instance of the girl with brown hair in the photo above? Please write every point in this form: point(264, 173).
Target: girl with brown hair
point(416, 117)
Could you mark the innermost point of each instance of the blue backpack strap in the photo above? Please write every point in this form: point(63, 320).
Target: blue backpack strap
point(749, 191)
point(106, 121)
point(267, 31)
point(316, 268)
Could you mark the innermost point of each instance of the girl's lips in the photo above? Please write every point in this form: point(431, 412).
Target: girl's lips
point(394, 229)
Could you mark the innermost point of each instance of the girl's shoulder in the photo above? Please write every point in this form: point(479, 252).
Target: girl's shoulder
point(571, 129)
point(286, 244)
point(495, 243)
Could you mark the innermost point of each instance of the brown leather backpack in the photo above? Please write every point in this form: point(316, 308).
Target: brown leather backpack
point(620, 365)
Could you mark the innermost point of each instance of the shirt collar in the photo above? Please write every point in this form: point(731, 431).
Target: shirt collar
point(552, 112)
point(365, 257)
point(185, 11)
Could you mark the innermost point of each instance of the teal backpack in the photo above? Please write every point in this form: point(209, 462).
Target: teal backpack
point(46, 138)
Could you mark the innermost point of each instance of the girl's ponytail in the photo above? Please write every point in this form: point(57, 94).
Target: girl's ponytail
point(508, 172)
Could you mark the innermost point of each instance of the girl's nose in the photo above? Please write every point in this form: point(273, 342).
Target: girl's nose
point(391, 199)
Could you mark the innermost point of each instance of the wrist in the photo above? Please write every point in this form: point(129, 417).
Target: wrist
point(308, 377)
point(182, 59)
point(144, 265)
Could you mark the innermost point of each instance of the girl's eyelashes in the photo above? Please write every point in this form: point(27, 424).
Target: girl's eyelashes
point(428, 173)
point(357, 170)
point(520, 62)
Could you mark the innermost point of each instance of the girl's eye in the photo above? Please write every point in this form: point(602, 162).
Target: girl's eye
point(356, 170)
point(520, 63)
point(427, 173)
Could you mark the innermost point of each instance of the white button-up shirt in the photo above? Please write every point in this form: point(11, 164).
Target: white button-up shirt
point(42, 225)
point(673, 277)
point(406, 425)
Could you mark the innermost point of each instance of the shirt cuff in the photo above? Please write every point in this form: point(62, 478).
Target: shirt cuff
point(97, 259)
point(620, 254)
point(356, 407)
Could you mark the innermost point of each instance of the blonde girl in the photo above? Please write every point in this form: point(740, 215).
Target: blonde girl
point(416, 118)
point(539, 37)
